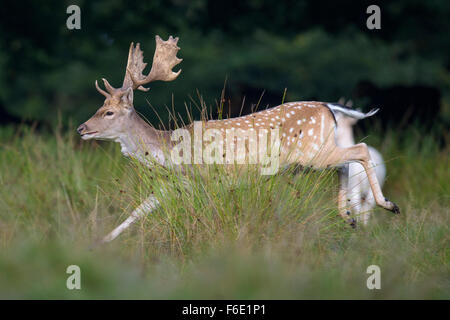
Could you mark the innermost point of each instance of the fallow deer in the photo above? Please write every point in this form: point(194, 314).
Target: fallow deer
point(307, 130)
point(359, 193)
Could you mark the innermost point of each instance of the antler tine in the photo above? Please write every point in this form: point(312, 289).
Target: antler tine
point(103, 92)
point(109, 87)
point(164, 60)
point(135, 67)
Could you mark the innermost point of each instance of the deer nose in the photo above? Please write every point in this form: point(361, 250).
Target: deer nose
point(81, 128)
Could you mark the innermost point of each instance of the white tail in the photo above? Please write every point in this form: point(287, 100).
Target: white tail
point(356, 114)
point(305, 130)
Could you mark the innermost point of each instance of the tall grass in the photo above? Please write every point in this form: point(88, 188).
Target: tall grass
point(217, 234)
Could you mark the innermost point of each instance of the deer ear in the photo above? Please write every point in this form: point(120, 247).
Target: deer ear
point(127, 98)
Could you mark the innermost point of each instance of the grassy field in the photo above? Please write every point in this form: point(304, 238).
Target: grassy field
point(234, 237)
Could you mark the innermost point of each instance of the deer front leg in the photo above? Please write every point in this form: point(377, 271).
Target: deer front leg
point(145, 207)
point(342, 195)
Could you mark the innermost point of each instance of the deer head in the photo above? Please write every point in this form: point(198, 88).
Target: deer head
point(117, 115)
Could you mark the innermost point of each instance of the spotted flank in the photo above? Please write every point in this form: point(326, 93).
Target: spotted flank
point(299, 124)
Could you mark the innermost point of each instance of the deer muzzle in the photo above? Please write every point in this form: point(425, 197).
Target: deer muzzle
point(84, 131)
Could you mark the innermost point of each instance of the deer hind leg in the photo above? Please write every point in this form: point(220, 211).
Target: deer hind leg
point(360, 153)
point(367, 206)
point(356, 173)
point(342, 195)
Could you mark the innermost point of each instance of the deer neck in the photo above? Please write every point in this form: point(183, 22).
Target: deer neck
point(143, 142)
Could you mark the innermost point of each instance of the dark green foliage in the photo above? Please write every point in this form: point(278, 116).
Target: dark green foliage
point(315, 50)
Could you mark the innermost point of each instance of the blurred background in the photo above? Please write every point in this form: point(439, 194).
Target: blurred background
point(255, 239)
point(253, 49)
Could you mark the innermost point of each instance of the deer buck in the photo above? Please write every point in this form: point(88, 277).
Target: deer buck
point(307, 130)
point(360, 196)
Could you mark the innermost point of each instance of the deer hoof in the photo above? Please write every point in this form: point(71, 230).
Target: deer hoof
point(352, 223)
point(395, 209)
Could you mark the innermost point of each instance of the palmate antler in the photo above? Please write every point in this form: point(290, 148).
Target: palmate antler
point(164, 60)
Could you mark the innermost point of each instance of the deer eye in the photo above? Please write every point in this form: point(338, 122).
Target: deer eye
point(109, 113)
